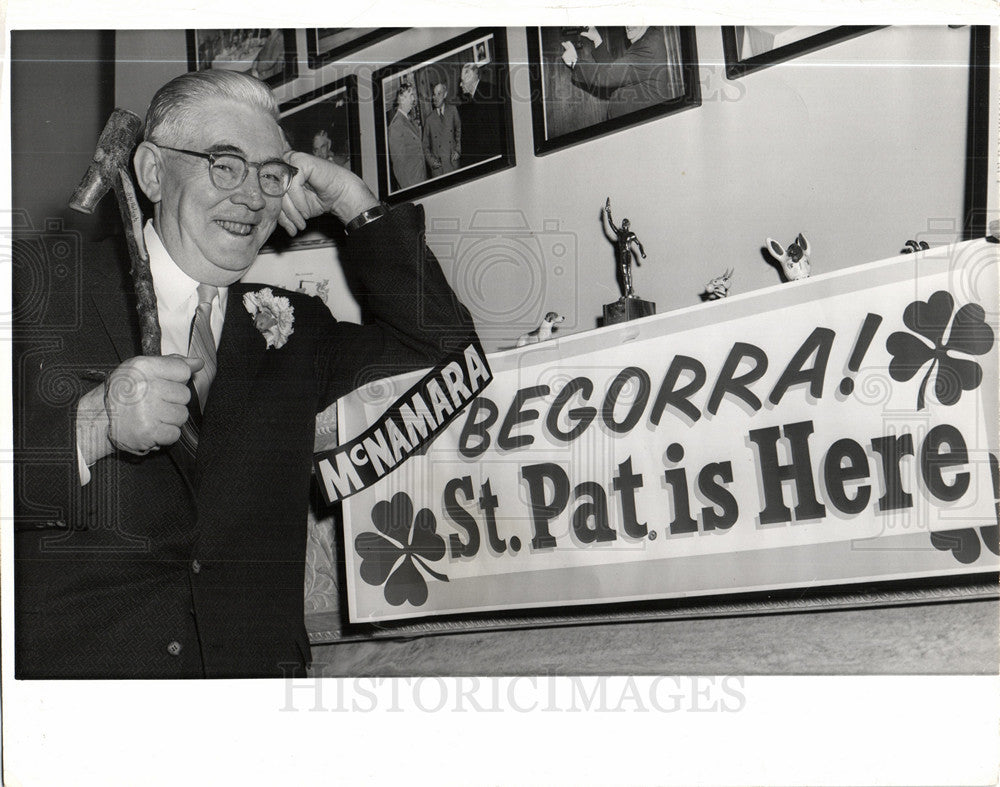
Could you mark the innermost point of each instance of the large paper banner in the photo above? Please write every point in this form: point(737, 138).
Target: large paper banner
point(830, 431)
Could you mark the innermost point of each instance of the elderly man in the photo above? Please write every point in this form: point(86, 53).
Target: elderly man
point(406, 147)
point(481, 117)
point(442, 134)
point(161, 513)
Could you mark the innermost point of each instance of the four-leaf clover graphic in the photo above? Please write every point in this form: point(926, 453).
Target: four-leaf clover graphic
point(968, 334)
point(402, 543)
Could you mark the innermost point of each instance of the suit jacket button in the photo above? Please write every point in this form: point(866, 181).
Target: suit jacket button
point(196, 566)
point(174, 648)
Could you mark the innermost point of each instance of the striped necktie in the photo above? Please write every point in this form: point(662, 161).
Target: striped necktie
point(201, 345)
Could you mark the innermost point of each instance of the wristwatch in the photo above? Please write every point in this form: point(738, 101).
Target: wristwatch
point(366, 217)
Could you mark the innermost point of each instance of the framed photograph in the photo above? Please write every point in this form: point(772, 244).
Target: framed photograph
point(590, 81)
point(750, 48)
point(328, 44)
point(323, 122)
point(443, 116)
point(267, 53)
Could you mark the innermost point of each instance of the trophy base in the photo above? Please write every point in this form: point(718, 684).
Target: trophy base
point(625, 309)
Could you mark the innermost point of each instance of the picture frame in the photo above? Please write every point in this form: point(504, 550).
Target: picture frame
point(331, 109)
point(751, 48)
point(270, 54)
point(328, 44)
point(325, 123)
point(472, 135)
point(633, 76)
point(981, 136)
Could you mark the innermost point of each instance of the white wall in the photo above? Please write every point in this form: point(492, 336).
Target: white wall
point(860, 146)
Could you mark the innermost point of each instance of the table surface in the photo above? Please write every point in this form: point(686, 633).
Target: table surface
point(957, 637)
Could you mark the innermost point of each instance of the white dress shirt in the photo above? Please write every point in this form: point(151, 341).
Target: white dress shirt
point(176, 301)
point(177, 298)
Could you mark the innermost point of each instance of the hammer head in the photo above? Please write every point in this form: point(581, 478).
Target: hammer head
point(113, 151)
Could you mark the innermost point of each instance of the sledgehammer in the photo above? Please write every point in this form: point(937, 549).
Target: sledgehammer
point(110, 169)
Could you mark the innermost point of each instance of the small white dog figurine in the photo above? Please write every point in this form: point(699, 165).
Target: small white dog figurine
point(718, 288)
point(543, 332)
point(794, 260)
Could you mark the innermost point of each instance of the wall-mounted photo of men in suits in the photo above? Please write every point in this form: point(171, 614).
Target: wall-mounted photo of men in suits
point(443, 116)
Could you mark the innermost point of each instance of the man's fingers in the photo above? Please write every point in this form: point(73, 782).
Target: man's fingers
point(569, 53)
point(302, 201)
point(166, 434)
point(172, 414)
point(287, 225)
point(194, 364)
point(174, 392)
point(173, 367)
point(293, 208)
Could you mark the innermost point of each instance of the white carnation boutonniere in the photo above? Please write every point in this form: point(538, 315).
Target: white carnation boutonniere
point(272, 315)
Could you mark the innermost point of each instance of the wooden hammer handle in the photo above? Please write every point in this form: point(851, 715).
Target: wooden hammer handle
point(142, 277)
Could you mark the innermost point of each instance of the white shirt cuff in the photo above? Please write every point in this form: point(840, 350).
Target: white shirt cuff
point(82, 466)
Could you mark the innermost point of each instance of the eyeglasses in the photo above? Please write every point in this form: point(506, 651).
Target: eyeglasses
point(228, 171)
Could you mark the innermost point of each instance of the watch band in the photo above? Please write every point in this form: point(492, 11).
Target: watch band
point(366, 217)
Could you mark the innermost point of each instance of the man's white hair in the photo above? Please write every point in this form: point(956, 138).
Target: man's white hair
point(176, 101)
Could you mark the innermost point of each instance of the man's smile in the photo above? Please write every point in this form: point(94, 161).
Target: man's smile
point(236, 227)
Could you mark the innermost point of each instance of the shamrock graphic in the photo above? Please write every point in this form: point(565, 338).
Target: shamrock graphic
point(964, 544)
point(402, 543)
point(968, 334)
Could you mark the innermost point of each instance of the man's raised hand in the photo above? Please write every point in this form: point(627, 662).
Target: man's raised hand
point(322, 187)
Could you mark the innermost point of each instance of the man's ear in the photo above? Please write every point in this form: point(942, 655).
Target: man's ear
point(148, 161)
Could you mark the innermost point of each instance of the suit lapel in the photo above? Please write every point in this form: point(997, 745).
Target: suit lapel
point(119, 327)
point(111, 293)
point(414, 128)
point(241, 350)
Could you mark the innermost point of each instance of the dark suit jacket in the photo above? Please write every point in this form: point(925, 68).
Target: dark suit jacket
point(442, 136)
point(637, 79)
point(482, 119)
point(167, 566)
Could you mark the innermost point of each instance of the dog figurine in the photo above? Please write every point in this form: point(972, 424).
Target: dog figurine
point(795, 259)
point(543, 332)
point(912, 246)
point(718, 287)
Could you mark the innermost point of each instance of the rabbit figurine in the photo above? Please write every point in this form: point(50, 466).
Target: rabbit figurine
point(795, 259)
